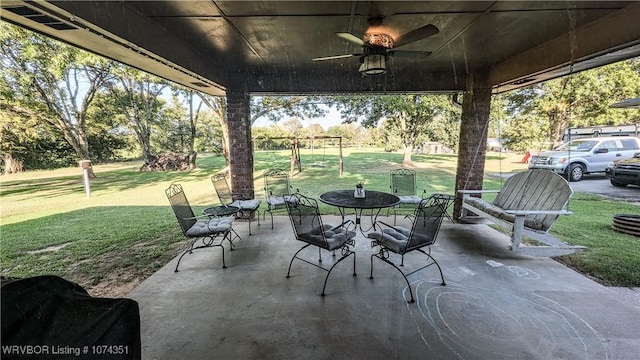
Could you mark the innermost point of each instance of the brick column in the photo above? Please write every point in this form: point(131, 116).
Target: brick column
point(474, 127)
point(240, 147)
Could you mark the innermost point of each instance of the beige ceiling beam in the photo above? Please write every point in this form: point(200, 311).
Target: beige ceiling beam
point(580, 49)
point(102, 27)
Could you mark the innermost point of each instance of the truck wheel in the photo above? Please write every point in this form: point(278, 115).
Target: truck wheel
point(575, 172)
point(618, 184)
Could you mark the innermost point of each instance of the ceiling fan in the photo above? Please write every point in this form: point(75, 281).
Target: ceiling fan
point(377, 45)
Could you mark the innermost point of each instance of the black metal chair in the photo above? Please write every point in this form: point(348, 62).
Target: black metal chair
point(423, 233)
point(197, 228)
point(403, 184)
point(308, 228)
point(277, 190)
point(248, 207)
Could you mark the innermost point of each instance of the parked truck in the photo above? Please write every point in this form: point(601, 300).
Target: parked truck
point(582, 156)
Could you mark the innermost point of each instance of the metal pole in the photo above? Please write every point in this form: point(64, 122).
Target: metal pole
point(341, 163)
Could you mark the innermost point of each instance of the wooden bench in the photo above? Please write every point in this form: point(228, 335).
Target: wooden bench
point(528, 204)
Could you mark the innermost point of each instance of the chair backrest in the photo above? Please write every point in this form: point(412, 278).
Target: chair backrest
point(403, 182)
point(276, 184)
point(427, 220)
point(222, 188)
point(181, 207)
point(305, 220)
point(535, 189)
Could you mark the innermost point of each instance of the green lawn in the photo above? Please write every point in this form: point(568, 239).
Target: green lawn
point(126, 230)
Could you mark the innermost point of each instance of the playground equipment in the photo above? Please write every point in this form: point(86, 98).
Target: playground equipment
point(296, 163)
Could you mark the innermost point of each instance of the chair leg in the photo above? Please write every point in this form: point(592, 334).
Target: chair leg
point(349, 253)
point(224, 264)
point(188, 250)
point(229, 236)
point(354, 266)
point(251, 214)
point(205, 245)
point(379, 256)
point(435, 262)
point(371, 267)
point(382, 257)
point(294, 256)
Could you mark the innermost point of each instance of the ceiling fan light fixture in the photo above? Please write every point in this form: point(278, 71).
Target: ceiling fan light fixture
point(374, 64)
point(379, 39)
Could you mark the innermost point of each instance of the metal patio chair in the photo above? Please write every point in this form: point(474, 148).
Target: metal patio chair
point(308, 227)
point(423, 233)
point(248, 207)
point(277, 190)
point(403, 184)
point(197, 228)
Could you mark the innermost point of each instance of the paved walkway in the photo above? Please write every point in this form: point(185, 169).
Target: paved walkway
point(496, 305)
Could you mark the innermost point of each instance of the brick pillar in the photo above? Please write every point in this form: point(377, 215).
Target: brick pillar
point(474, 127)
point(240, 147)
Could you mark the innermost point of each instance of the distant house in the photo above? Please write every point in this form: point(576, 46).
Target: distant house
point(433, 147)
point(495, 144)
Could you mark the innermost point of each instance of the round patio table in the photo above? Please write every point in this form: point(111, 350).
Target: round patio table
point(373, 200)
point(221, 210)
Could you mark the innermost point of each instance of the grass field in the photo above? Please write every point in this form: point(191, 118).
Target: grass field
point(126, 230)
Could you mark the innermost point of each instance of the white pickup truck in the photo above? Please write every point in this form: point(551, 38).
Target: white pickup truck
point(585, 155)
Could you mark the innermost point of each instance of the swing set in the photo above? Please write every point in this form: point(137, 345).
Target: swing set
point(295, 164)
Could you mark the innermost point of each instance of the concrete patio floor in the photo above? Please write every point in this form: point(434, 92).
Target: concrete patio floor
point(496, 305)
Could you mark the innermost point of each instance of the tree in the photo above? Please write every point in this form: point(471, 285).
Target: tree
point(313, 130)
point(137, 95)
point(209, 133)
point(293, 126)
point(51, 81)
point(272, 137)
point(275, 108)
point(187, 123)
point(218, 107)
point(411, 118)
point(350, 133)
point(576, 100)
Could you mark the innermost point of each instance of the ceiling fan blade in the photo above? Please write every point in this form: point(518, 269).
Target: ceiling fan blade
point(352, 38)
point(335, 57)
point(415, 35)
point(416, 54)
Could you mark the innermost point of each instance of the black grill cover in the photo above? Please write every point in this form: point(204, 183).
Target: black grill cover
point(48, 317)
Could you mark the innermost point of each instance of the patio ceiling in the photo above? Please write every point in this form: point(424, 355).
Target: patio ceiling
point(267, 47)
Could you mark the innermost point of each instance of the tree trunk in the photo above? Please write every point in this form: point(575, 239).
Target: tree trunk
point(192, 127)
point(12, 165)
point(406, 160)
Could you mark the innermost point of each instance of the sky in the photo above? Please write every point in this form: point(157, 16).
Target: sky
point(331, 119)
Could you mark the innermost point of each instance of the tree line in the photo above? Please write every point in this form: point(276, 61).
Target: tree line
point(60, 104)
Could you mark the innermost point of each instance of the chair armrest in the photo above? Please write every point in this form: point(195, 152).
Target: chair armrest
point(473, 192)
point(538, 212)
point(385, 224)
point(345, 225)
